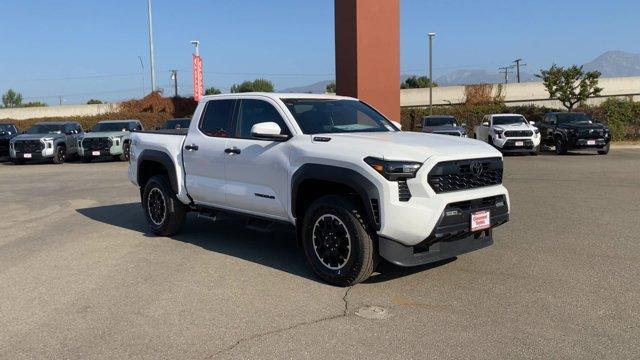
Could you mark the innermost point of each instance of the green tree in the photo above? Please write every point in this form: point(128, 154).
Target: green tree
point(261, 85)
point(34, 104)
point(331, 87)
point(212, 91)
point(417, 82)
point(94, 101)
point(12, 99)
point(571, 85)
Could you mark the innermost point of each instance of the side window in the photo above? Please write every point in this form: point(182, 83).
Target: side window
point(217, 118)
point(78, 128)
point(252, 112)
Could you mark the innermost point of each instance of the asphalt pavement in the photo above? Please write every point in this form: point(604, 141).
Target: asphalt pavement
point(82, 278)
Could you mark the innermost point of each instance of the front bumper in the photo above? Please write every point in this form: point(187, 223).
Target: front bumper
point(98, 153)
point(577, 143)
point(44, 154)
point(452, 236)
point(510, 144)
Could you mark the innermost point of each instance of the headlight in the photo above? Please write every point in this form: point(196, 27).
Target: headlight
point(536, 131)
point(498, 131)
point(394, 170)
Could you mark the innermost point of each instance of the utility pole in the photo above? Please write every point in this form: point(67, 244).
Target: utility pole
point(174, 77)
point(151, 56)
point(506, 71)
point(431, 35)
point(518, 65)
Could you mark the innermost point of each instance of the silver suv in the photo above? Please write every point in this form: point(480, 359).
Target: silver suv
point(55, 140)
point(108, 138)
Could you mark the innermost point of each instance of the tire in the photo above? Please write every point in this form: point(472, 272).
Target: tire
point(561, 146)
point(59, 155)
point(165, 214)
point(351, 256)
point(86, 159)
point(605, 150)
point(535, 151)
point(125, 152)
point(17, 161)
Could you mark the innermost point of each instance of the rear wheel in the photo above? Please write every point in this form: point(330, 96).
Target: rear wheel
point(604, 151)
point(59, 155)
point(337, 242)
point(164, 212)
point(561, 146)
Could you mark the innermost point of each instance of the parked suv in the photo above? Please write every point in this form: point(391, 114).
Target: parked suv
point(509, 133)
point(7, 132)
point(354, 187)
point(46, 140)
point(568, 131)
point(443, 124)
point(108, 138)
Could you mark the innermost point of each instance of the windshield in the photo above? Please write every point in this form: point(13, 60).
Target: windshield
point(177, 124)
point(509, 120)
point(46, 129)
point(442, 121)
point(111, 126)
point(7, 128)
point(567, 118)
point(322, 116)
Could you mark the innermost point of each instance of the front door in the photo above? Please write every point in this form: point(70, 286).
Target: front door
point(257, 170)
point(204, 152)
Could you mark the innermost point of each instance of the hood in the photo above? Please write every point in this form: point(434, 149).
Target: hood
point(411, 146)
point(582, 126)
point(37, 136)
point(108, 134)
point(515, 127)
point(447, 128)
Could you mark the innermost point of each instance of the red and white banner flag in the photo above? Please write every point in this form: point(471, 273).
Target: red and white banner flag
point(198, 81)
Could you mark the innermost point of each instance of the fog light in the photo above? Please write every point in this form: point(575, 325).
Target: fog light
point(452, 213)
point(499, 203)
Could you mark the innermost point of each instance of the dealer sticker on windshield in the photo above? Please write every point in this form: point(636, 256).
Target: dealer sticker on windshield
point(95, 153)
point(27, 156)
point(480, 220)
point(519, 143)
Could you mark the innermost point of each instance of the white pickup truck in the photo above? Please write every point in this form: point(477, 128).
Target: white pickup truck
point(354, 187)
point(510, 133)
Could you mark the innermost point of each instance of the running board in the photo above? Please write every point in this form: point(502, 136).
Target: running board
point(260, 225)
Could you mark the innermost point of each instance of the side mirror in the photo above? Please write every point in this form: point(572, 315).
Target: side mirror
point(268, 131)
point(532, 122)
point(485, 123)
point(463, 124)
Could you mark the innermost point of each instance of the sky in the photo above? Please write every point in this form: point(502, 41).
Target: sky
point(74, 50)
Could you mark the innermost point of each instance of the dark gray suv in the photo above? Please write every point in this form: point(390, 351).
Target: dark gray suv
point(443, 124)
point(55, 140)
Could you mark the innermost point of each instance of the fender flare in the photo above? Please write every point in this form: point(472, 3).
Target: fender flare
point(365, 189)
point(163, 159)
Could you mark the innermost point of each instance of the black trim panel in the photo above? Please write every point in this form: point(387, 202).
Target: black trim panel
point(161, 158)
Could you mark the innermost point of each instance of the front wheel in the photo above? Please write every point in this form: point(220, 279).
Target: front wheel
point(605, 150)
point(536, 151)
point(125, 152)
point(59, 155)
point(17, 161)
point(164, 212)
point(561, 146)
point(337, 242)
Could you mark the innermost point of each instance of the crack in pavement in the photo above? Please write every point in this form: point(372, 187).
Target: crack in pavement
point(344, 313)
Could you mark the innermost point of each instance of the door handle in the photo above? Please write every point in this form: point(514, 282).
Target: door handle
point(232, 150)
point(192, 147)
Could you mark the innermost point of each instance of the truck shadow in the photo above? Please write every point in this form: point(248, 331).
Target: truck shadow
point(277, 249)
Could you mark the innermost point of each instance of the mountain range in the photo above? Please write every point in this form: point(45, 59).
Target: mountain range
point(610, 64)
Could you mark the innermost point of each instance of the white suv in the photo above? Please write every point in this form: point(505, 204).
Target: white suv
point(509, 133)
point(354, 186)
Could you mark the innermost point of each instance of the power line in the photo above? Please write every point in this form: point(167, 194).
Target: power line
point(506, 71)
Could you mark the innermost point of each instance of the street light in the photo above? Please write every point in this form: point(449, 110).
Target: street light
point(431, 35)
point(196, 43)
point(151, 56)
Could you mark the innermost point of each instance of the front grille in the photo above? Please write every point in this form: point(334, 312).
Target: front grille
point(28, 146)
point(459, 175)
point(404, 194)
point(518, 133)
point(101, 143)
point(591, 133)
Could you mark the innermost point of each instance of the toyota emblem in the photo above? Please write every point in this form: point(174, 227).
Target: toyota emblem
point(476, 168)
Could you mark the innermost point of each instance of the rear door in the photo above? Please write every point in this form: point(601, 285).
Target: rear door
point(257, 170)
point(204, 152)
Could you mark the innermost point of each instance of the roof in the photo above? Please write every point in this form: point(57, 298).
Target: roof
point(564, 112)
point(6, 123)
point(498, 115)
point(440, 116)
point(56, 122)
point(277, 96)
point(117, 121)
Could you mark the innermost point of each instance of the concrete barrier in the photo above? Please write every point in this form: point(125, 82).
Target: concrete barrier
point(522, 94)
point(56, 111)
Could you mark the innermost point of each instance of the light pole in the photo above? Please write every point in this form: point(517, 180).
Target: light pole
point(142, 66)
point(151, 56)
point(174, 77)
point(196, 43)
point(431, 35)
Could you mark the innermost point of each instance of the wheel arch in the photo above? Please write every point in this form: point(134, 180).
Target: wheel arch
point(154, 162)
point(311, 181)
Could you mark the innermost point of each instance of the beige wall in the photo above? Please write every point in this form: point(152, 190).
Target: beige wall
point(521, 94)
point(56, 111)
